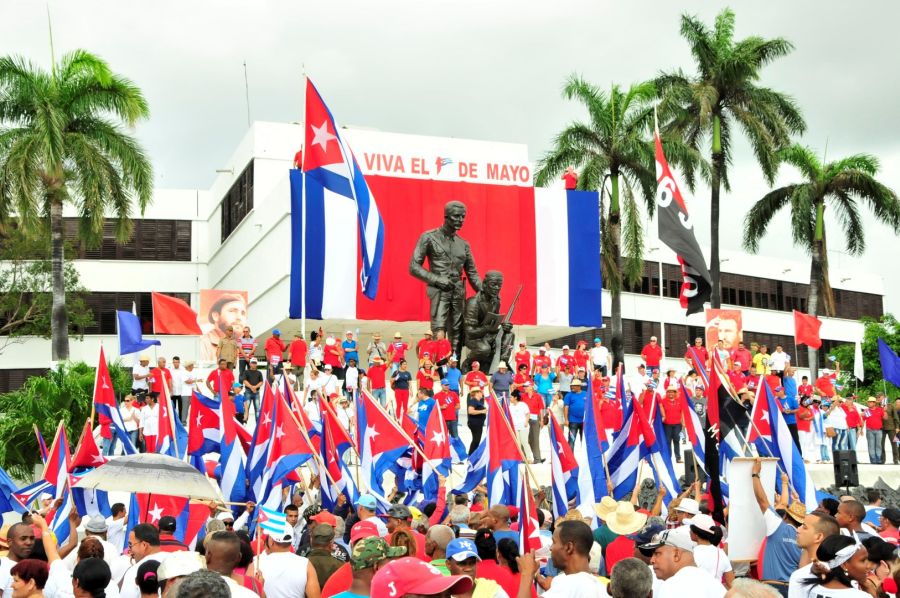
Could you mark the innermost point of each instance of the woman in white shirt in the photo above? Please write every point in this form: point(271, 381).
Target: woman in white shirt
point(149, 430)
point(131, 417)
point(707, 554)
point(840, 561)
point(519, 412)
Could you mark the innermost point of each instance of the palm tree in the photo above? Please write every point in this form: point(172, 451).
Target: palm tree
point(843, 185)
point(62, 141)
point(613, 143)
point(705, 108)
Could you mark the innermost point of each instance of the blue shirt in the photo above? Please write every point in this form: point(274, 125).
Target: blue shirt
point(789, 402)
point(350, 351)
point(544, 384)
point(453, 375)
point(575, 402)
point(507, 533)
point(781, 554)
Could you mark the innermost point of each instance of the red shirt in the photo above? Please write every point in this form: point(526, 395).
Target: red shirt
point(520, 379)
point(671, 411)
point(825, 386)
point(332, 355)
point(804, 419)
point(425, 345)
point(566, 362)
point(651, 355)
point(398, 349)
point(339, 581)
point(441, 350)
point(274, 348)
point(853, 418)
point(701, 353)
point(448, 402)
point(738, 379)
point(610, 414)
point(226, 377)
point(298, 352)
point(805, 390)
point(742, 355)
point(571, 180)
point(377, 376)
point(425, 378)
point(158, 376)
point(620, 548)
point(504, 576)
point(474, 377)
point(541, 360)
point(581, 358)
point(875, 419)
point(534, 401)
point(523, 357)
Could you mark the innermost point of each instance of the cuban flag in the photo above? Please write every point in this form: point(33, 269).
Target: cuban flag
point(529, 529)
point(660, 458)
point(28, 494)
point(562, 468)
point(503, 457)
point(381, 443)
point(59, 462)
point(437, 449)
point(87, 457)
point(258, 453)
point(42, 445)
point(476, 469)
point(172, 440)
point(288, 450)
point(772, 438)
point(271, 521)
point(334, 445)
point(204, 427)
point(60, 525)
point(106, 405)
point(331, 189)
point(592, 480)
point(629, 447)
point(9, 502)
point(693, 427)
point(232, 461)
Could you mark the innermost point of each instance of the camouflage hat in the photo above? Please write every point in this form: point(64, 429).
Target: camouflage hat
point(369, 551)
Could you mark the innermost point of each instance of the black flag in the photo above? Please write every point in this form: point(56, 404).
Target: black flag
point(677, 232)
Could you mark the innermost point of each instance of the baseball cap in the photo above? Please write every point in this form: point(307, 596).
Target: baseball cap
point(399, 512)
point(646, 534)
point(680, 537)
point(285, 536)
point(254, 360)
point(597, 340)
point(323, 531)
point(575, 382)
point(179, 564)
point(445, 382)
point(324, 517)
point(367, 501)
point(276, 332)
point(97, 524)
point(542, 349)
point(225, 516)
point(474, 363)
point(363, 529)
point(460, 549)
point(410, 575)
point(565, 347)
point(327, 366)
point(369, 551)
point(688, 505)
point(166, 524)
point(702, 522)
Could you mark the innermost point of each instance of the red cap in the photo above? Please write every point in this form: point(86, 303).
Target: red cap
point(476, 508)
point(409, 575)
point(333, 395)
point(513, 511)
point(363, 529)
point(324, 517)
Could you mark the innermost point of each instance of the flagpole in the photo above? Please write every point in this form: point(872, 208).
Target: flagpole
point(97, 377)
point(303, 218)
point(513, 434)
point(637, 482)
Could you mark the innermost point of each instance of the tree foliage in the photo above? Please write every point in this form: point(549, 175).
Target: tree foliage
point(25, 289)
point(887, 328)
point(61, 395)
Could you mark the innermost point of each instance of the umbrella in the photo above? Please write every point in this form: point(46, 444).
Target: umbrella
point(151, 473)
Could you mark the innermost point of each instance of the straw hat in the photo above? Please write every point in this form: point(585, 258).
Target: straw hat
point(605, 507)
point(625, 520)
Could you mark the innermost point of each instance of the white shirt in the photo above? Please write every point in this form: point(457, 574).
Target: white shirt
point(351, 378)
point(285, 574)
point(5, 577)
point(823, 592)
point(142, 370)
point(238, 591)
point(691, 581)
point(778, 360)
point(796, 587)
point(129, 588)
point(312, 411)
point(577, 585)
point(600, 355)
point(115, 533)
point(379, 525)
point(178, 376)
point(109, 555)
point(519, 412)
point(344, 416)
point(332, 384)
point(712, 559)
point(127, 412)
point(310, 384)
point(837, 419)
point(150, 420)
point(59, 583)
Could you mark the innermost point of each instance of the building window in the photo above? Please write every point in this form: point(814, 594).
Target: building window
point(14, 379)
point(105, 305)
point(151, 240)
point(238, 202)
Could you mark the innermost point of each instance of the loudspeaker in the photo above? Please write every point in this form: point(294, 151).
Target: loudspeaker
point(689, 467)
point(845, 472)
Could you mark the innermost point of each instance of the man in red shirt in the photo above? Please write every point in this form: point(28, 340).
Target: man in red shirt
point(854, 421)
point(523, 355)
point(610, 414)
point(425, 345)
point(475, 377)
point(377, 377)
point(221, 378)
point(274, 352)
point(736, 375)
point(571, 178)
point(695, 354)
point(581, 355)
point(743, 355)
point(297, 354)
point(442, 350)
point(426, 376)
point(652, 355)
point(874, 423)
point(825, 382)
point(540, 360)
point(397, 352)
point(158, 376)
point(448, 401)
point(535, 418)
point(805, 390)
point(671, 416)
point(565, 362)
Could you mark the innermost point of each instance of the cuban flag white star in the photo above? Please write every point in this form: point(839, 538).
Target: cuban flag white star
point(438, 438)
point(155, 513)
point(266, 420)
point(279, 432)
point(321, 136)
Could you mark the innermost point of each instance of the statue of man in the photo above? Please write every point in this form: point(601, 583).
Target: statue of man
point(482, 321)
point(449, 257)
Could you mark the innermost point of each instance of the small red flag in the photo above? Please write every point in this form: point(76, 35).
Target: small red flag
point(173, 316)
point(806, 329)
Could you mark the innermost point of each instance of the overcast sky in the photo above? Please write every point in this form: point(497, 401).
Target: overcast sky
point(473, 69)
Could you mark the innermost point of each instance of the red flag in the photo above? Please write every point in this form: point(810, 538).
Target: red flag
point(173, 316)
point(806, 329)
point(87, 454)
point(529, 529)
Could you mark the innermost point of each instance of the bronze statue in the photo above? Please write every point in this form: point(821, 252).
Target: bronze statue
point(482, 321)
point(449, 257)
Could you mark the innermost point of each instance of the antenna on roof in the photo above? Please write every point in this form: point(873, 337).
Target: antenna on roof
point(247, 93)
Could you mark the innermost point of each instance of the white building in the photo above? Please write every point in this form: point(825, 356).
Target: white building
point(236, 235)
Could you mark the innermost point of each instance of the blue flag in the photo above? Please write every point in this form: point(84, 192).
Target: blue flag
point(130, 338)
point(890, 363)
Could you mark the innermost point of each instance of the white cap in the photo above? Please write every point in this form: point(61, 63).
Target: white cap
point(285, 536)
point(179, 564)
point(225, 516)
point(688, 505)
point(701, 521)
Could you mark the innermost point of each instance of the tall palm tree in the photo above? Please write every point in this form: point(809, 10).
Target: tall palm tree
point(613, 143)
point(723, 93)
point(62, 141)
point(843, 184)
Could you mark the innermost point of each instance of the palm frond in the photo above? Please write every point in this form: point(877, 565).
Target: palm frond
point(847, 212)
point(762, 213)
point(632, 235)
point(803, 159)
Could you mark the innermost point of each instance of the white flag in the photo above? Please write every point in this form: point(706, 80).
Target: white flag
point(858, 369)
